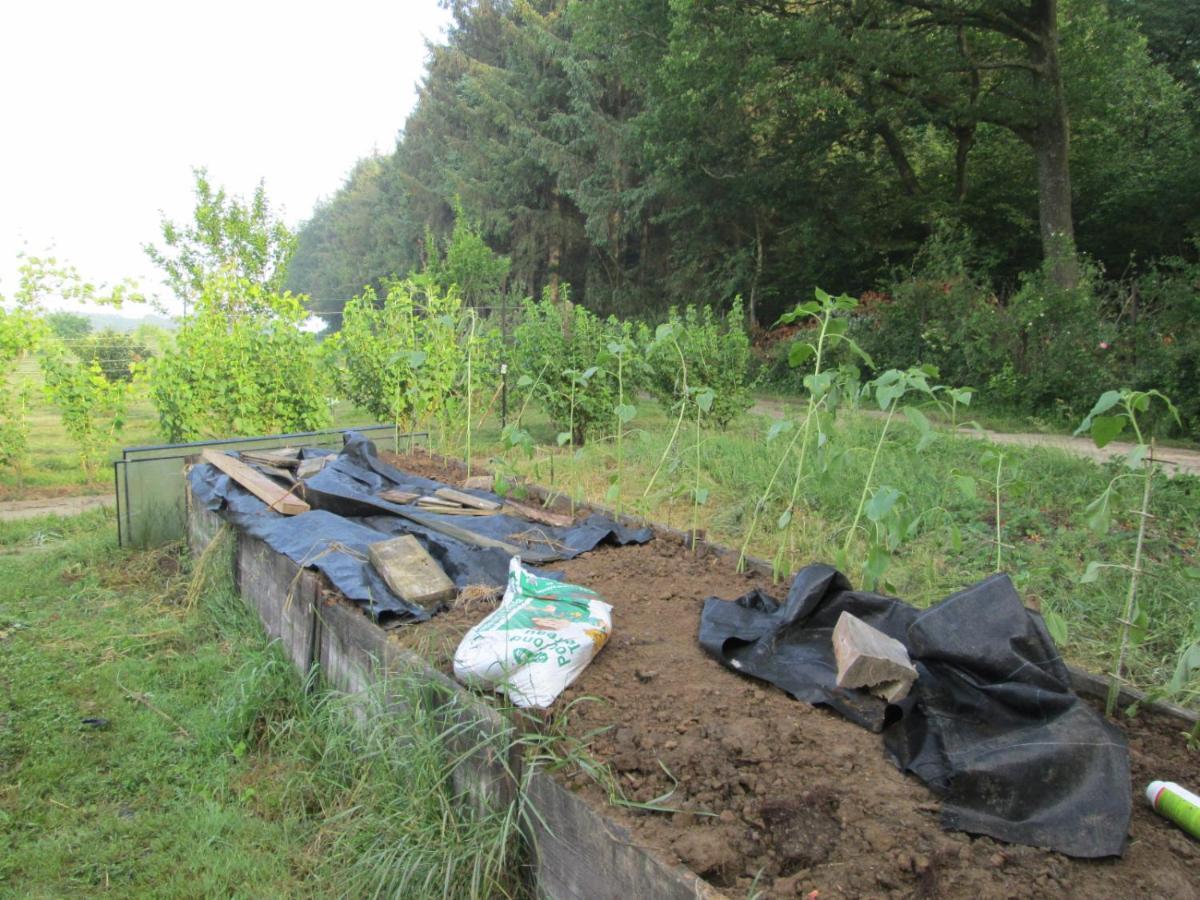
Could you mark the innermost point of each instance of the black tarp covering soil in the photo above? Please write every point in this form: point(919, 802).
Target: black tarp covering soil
point(991, 725)
point(347, 517)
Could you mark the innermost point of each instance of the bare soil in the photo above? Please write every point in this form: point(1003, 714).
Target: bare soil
point(783, 798)
point(52, 506)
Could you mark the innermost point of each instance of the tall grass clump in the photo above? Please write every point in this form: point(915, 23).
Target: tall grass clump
point(382, 782)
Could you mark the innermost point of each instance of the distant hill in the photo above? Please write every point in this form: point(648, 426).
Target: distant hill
point(118, 322)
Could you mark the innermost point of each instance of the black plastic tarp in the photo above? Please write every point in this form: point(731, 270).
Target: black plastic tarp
point(991, 724)
point(347, 517)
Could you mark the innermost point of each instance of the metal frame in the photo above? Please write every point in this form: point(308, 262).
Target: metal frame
point(130, 457)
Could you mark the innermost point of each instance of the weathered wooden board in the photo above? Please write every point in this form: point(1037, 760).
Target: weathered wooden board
point(455, 510)
point(410, 571)
point(536, 514)
point(284, 457)
point(277, 498)
point(464, 499)
point(395, 495)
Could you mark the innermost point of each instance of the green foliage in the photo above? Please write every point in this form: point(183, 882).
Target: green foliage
point(92, 406)
point(1161, 346)
point(470, 264)
point(716, 355)
point(246, 239)
point(404, 359)
point(15, 400)
point(1112, 412)
point(557, 342)
point(241, 365)
point(115, 352)
point(69, 326)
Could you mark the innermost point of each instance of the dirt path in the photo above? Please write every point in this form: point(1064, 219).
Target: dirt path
point(1174, 460)
point(52, 506)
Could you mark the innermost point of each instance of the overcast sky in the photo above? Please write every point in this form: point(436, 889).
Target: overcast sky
point(106, 107)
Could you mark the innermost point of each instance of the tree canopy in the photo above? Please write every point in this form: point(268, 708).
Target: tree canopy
point(656, 152)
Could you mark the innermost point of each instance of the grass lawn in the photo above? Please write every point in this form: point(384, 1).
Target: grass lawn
point(152, 743)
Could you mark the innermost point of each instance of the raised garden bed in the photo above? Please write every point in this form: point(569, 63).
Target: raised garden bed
point(770, 794)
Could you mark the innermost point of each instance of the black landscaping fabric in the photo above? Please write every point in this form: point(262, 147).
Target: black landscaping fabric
point(347, 517)
point(991, 724)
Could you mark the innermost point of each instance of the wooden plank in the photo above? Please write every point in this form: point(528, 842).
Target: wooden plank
point(411, 573)
point(285, 457)
point(529, 554)
point(534, 514)
point(455, 510)
point(395, 495)
point(431, 500)
point(463, 499)
point(277, 498)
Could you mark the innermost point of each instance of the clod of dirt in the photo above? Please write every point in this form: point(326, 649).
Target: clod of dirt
point(802, 832)
point(708, 852)
point(746, 739)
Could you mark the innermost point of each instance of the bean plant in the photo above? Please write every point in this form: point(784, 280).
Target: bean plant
point(1112, 413)
point(619, 353)
point(824, 387)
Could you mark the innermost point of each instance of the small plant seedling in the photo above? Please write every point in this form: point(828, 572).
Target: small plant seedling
point(624, 413)
point(888, 388)
point(668, 332)
point(822, 393)
point(1109, 417)
point(704, 400)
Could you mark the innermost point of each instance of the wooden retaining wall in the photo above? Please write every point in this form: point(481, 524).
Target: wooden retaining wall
point(577, 851)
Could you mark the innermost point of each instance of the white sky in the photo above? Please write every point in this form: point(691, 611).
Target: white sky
point(106, 106)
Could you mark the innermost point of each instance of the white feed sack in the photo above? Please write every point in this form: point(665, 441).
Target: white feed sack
point(543, 634)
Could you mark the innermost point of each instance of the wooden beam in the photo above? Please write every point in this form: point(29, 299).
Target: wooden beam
point(269, 492)
point(463, 499)
point(534, 514)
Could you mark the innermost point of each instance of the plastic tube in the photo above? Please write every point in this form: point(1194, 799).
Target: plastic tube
point(1178, 804)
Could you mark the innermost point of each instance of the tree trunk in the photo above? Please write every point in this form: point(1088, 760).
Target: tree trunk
point(752, 309)
point(556, 241)
point(1051, 140)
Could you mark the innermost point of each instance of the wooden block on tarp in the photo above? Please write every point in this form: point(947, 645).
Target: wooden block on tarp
point(269, 492)
point(868, 658)
point(397, 496)
point(479, 483)
point(411, 573)
point(469, 500)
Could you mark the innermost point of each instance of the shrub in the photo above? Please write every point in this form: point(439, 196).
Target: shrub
point(1161, 346)
point(1042, 350)
point(91, 404)
point(929, 306)
point(558, 342)
point(240, 365)
point(402, 359)
point(114, 352)
point(716, 352)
